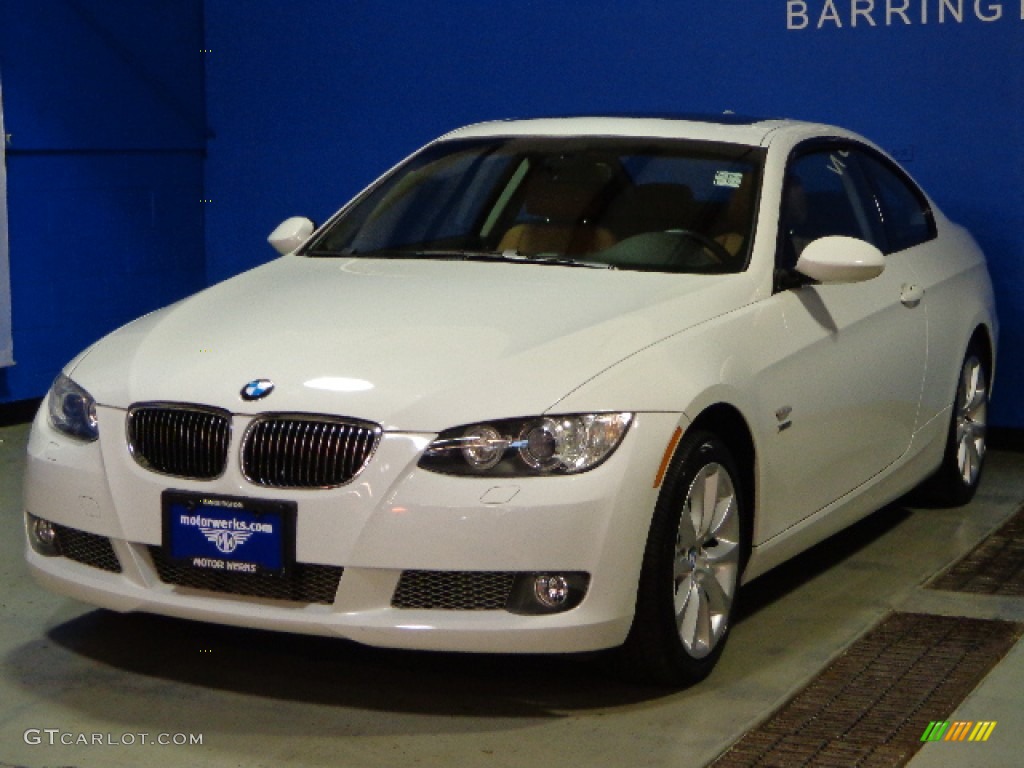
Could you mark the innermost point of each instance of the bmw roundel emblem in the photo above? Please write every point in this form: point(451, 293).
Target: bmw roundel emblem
point(257, 389)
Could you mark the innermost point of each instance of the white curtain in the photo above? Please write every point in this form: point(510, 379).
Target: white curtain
point(6, 342)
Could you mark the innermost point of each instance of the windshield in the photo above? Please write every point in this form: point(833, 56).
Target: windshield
point(642, 204)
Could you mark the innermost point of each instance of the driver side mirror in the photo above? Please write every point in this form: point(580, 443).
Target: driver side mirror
point(290, 234)
point(836, 259)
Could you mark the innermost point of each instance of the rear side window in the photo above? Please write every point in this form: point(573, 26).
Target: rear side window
point(906, 217)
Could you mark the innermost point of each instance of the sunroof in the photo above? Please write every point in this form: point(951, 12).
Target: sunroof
point(720, 118)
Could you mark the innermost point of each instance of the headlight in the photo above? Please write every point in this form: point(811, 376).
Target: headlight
point(72, 410)
point(542, 445)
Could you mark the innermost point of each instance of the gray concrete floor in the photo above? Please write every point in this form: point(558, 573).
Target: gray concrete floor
point(266, 699)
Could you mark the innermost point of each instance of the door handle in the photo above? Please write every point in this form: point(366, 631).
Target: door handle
point(911, 294)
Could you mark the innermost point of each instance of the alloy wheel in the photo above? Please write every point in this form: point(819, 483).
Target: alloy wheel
point(707, 555)
point(971, 419)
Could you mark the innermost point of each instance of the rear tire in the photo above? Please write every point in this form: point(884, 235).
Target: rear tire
point(956, 481)
point(692, 563)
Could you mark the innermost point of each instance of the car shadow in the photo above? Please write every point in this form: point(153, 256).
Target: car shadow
point(132, 651)
point(768, 589)
point(339, 673)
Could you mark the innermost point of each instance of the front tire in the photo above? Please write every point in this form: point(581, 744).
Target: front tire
point(691, 568)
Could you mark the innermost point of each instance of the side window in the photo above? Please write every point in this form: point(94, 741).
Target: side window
point(822, 197)
point(906, 217)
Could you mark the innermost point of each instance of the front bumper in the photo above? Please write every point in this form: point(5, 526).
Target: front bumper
point(392, 519)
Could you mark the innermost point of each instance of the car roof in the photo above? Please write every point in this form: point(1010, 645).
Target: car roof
point(726, 127)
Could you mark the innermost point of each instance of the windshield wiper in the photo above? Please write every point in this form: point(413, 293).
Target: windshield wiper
point(323, 254)
point(384, 253)
point(513, 257)
point(459, 255)
point(563, 261)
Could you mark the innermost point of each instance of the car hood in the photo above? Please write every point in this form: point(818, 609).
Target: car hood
point(414, 345)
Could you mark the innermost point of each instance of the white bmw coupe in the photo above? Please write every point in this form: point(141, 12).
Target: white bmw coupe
point(546, 386)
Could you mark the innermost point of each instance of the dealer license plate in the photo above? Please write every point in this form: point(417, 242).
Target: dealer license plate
point(229, 534)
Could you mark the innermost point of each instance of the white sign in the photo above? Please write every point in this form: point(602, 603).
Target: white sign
point(840, 14)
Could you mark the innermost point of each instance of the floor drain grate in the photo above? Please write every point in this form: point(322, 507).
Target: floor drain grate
point(871, 706)
point(994, 567)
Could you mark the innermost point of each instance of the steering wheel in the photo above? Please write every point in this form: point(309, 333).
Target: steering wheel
point(716, 250)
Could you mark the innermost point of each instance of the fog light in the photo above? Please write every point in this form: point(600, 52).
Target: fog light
point(551, 591)
point(536, 594)
point(42, 536)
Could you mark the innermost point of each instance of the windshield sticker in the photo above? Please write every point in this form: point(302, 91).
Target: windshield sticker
point(730, 179)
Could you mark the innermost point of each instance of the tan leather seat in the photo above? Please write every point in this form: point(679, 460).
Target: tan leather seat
point(561, 201)
point(532, 239)
point(735, 222)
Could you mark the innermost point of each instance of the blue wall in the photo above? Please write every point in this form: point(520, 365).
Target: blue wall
point(311, 100)
point(104, 101)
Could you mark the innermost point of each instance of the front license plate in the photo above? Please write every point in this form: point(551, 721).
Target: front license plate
point(229, 534)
